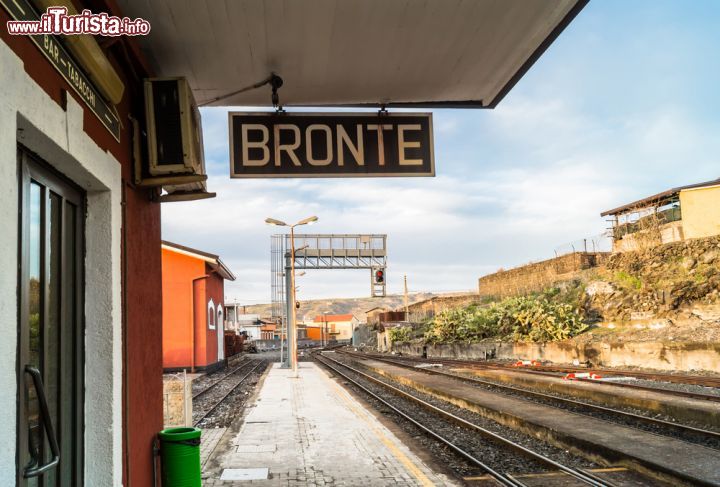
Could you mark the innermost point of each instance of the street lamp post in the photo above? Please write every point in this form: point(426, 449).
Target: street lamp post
point(292, 319)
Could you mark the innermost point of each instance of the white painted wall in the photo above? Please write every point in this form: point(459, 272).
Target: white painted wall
point(253, 332)
point(29, 116)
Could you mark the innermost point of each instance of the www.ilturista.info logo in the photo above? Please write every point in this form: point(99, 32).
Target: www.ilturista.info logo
point(56, 21)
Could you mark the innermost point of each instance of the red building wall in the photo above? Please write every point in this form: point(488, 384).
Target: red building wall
point(215, 290)
point(141, 266)
point(182, 300)
point(178, 272)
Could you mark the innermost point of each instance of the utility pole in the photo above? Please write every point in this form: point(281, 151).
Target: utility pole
point(407, 313)
point(326, 340)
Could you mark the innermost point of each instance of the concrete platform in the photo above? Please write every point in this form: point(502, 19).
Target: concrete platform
point(210, 439)
point(599, 440)
point(311, 431)
point(701, 411)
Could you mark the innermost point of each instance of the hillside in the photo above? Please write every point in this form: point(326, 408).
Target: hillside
point(357, 306)
point(667, 292)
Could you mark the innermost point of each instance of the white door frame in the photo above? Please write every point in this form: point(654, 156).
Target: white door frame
point(220, 332)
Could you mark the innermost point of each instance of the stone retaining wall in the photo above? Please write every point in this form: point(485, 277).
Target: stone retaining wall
point(539, 275)
point(428, 308)
point(651, 355)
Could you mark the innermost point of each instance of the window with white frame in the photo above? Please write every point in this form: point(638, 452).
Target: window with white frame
point(211, 314)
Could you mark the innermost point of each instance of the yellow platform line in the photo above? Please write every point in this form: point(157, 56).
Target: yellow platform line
point(399, 455)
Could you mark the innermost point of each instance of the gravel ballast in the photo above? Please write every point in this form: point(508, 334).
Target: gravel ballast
point(497, 456)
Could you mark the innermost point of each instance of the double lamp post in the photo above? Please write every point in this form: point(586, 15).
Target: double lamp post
point(292, 315)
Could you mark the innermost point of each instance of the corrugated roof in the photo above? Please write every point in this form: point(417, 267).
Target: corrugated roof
point(657, 198)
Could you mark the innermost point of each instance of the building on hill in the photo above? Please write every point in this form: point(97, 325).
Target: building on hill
point(685, 212)
point(193, 290)
point(339, 327)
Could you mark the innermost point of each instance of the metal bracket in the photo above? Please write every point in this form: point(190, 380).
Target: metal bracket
point(276, 82)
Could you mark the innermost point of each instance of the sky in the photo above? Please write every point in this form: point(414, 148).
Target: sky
point(624, 104)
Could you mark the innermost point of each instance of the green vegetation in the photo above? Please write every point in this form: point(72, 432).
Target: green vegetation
point(552, 315)
point(400, 334)
point(628, 281)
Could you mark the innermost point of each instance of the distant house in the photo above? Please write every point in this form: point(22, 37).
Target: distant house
point(193, 284)
point(232, 312)
point(269, 330)
point(338, 327)
point(678, 214)
point(251, 324)
point(308, 330)
point(373, 315)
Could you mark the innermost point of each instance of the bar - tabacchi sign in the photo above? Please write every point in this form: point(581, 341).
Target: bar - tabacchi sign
point(305, 145)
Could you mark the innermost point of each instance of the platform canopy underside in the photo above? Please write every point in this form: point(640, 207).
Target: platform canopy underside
point(432, 53)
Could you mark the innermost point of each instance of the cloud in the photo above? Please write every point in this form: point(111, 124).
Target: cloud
point(580, 134)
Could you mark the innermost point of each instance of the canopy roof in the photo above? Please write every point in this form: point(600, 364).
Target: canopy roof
point(436, 53)
point(213, 260)
point(657, 198)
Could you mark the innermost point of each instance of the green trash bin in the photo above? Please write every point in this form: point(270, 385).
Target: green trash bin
point(180, 454)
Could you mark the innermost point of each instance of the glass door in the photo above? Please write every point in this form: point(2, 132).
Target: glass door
point(50, 331)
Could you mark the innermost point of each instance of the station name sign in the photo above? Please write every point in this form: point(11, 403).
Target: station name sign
point(62, 61)
point(321, 145)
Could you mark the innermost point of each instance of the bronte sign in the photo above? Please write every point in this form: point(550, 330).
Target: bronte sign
point(321, 145)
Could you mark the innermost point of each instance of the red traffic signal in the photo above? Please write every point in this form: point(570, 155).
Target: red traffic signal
point(379, 276)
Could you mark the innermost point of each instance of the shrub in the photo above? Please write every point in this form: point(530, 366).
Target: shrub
point(628, 280)
point(400, 334)
point(533, 318)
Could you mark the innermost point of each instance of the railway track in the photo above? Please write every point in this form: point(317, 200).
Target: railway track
point(551, 371)
point(251, 367)
point(691, 434)
point(577, 476)
point(243, 365)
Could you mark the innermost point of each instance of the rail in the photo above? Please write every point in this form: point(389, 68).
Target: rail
point(225, 396)
point(211, 386)
point(701, 436)
point(584, 477)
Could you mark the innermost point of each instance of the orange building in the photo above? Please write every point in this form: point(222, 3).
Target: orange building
point(193, 287)
point(337, 327)
point(314, 333)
